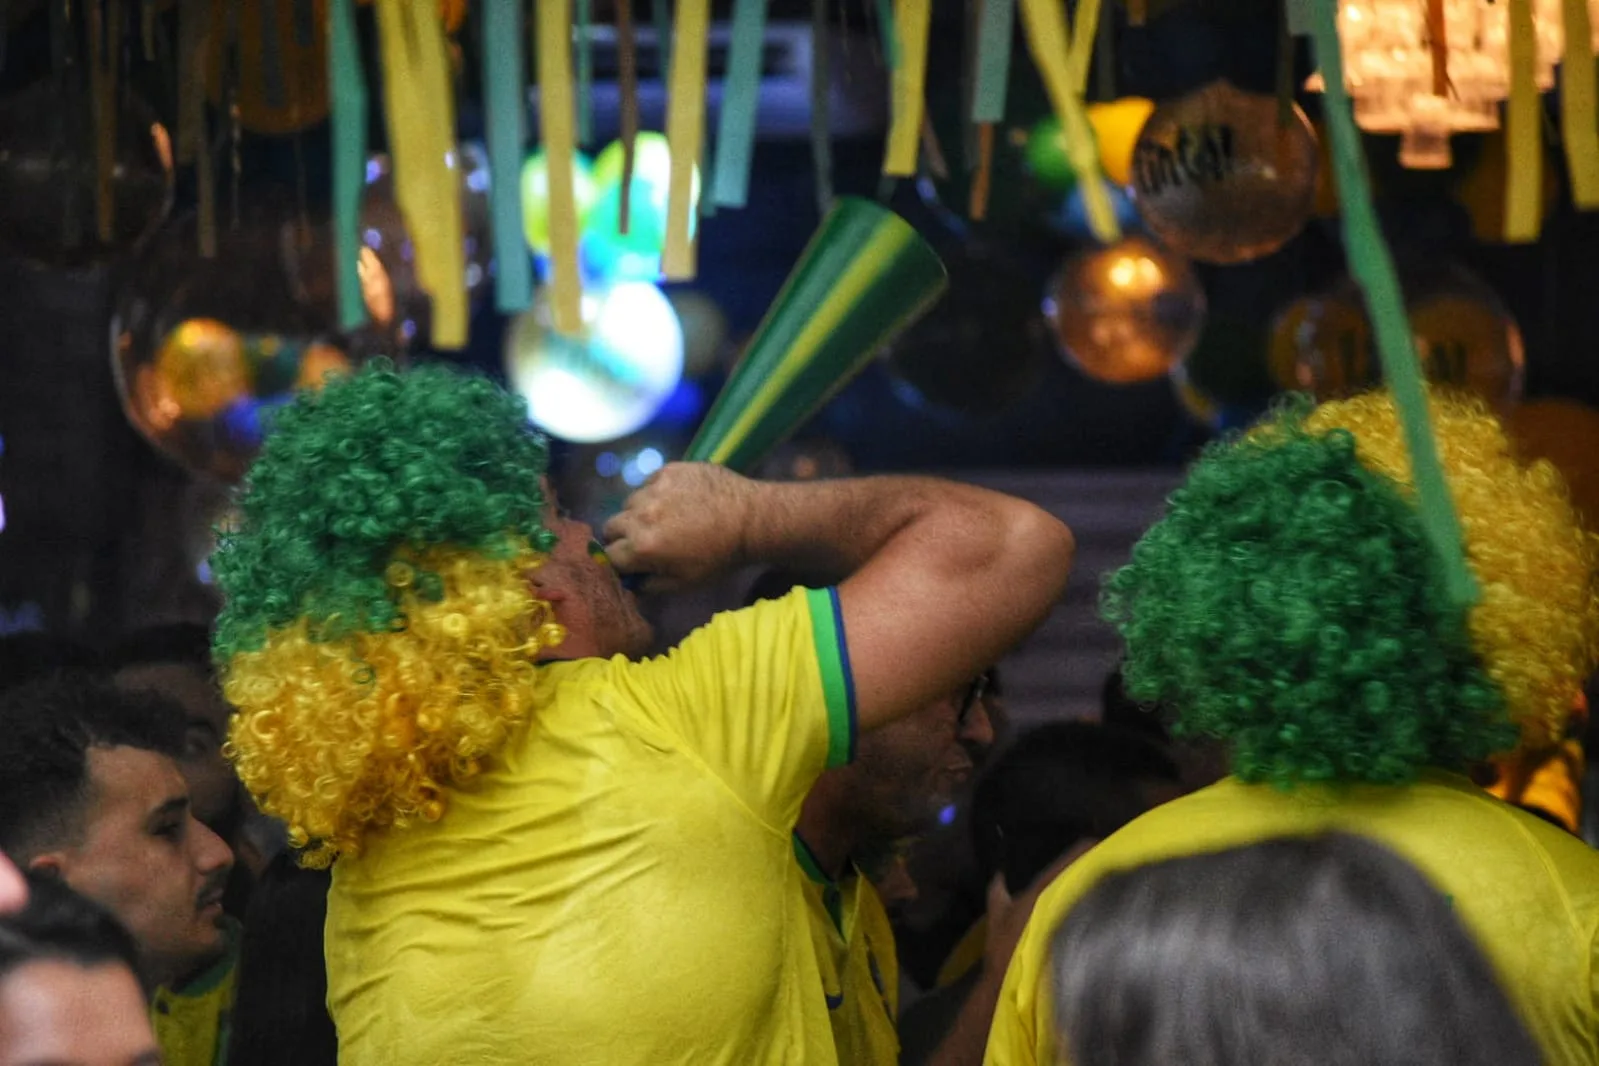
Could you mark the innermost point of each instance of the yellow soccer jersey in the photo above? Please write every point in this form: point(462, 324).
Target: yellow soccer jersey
point(1527, 891)
point(618, 885)
point(859, 971)
point(191, 1023)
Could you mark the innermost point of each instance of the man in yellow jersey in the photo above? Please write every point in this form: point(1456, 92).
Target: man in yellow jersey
point(544, 849)
point(93, 794)
point(1290, 605)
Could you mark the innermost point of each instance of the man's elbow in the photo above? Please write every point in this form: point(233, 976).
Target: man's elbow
point(1039, 546)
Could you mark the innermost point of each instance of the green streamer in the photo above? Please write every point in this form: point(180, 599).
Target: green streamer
point(583, 19)
point(304, 23)
point(349, 99)
point(504, 81)
point(995, 31)
point(821, 131)
point(661, 16)
point(885, 26)
point(741, 93)
point(1373, 267)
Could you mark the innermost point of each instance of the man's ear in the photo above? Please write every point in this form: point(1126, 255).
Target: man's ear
point(51, 864)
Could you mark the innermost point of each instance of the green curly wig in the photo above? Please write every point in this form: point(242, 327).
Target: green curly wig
point(1289, 604)
point(374, 464)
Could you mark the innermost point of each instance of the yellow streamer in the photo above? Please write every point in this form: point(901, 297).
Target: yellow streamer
point(1048, 40)
point(1579, 111)
point(558, 119)
point(1523, 131)
point(685, 132)
point(912, 18)
point(1084, 32)
point(421, 119)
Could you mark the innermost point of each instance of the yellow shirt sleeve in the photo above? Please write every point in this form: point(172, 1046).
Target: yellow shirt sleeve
point(763, 696)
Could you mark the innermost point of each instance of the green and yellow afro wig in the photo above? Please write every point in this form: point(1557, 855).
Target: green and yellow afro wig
point(379, 631)
point(1289, 603)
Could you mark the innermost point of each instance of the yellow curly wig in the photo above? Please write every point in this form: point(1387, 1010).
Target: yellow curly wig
point(340, 738)
point(1536, 626)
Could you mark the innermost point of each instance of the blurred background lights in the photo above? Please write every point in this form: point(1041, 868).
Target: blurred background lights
point(609, 379)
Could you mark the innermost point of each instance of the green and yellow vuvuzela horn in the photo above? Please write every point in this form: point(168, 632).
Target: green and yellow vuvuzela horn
point(865, 277)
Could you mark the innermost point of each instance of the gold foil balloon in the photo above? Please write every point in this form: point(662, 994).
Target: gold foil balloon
point(1128, 312)
point(204, 350)
point(1218, 179)
point(1464, 335)
point(50, 182)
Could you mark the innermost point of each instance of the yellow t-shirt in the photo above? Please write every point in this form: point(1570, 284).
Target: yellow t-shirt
point(191, 1023)
point(1528, 892)
point(854, 945)
point(618, 885)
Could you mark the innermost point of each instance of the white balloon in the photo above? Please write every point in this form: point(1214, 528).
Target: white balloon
point(608, 380)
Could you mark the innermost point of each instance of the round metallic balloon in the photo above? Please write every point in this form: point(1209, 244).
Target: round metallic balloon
point(398, 305)
point(50, 181)
point(204, 349)
point(1126, 312)
point(1220, 179)
point(1465, 336)
point(612, 377)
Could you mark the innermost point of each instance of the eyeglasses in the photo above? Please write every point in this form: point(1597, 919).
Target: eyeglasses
point(973, 696)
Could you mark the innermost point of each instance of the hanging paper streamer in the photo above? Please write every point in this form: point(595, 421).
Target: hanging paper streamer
point(348, 83)
point(559, 136)
point(1045, 24)
point(104, 47)
point(1373, 268)
point(502, 95)
point(661, 15)
point(1083, 32)
point(911, 21)
point(685, 131)
point(741, 92)
point(821, 132)
point(995, 28)
point(885, 27)
point(585, 73)
point(419, 106)
point(304, 23)
point(978, 207)
point(1579, 111)
point(627, 82)
point(1523, 131)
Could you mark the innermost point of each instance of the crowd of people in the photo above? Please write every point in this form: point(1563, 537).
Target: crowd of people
point(427, 792)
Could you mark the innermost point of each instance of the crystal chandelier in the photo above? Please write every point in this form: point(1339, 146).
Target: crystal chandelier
point(1399, 54)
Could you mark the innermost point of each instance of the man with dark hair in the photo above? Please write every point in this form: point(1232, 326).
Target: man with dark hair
point(1060, 787)
point(92, 795)
point(175, 660)
point(904, 774)
point(69, 988)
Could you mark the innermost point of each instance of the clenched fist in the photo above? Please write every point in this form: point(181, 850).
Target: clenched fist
point(684, 526)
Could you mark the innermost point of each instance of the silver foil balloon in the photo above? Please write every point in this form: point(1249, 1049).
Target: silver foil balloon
point(398, 306)
point(1219, 178)
point(203, 350)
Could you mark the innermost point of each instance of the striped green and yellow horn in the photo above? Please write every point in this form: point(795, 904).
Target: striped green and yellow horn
point(865, 277)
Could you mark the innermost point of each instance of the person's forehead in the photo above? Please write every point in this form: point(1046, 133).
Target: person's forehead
point(55, 1011)
point(187, 684)
point(132, 782)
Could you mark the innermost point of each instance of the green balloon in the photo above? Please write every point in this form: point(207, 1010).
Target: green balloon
point(536, 198)
point(1046, 156)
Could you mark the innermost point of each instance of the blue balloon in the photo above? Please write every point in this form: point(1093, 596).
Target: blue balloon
point(1071, 218)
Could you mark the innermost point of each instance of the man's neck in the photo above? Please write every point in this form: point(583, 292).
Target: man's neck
point(827, 830)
